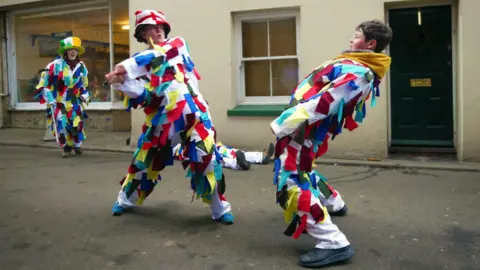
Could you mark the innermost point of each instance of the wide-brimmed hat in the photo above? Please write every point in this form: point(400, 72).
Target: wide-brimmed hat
point(151, 17)
point(71, 43)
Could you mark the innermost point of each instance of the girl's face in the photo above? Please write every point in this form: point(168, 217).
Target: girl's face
point(358, 42)
point(72, 54)
point(154, 32)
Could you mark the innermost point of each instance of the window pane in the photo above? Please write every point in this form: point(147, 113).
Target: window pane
point(92, 27)
point(284, 76)
point(254, 39)
point(257, 78)
point(283, 38)
point(35, 48)
point(121, 36)
point(37, 40)
point(2, 50)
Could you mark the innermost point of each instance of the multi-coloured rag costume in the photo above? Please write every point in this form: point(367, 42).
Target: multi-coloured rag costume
point(321, 105)
point(175, 112)
point(233, 158)
point(63, 86)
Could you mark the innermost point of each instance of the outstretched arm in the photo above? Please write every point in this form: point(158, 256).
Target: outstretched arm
point(44, 84)
point(129, 77)
point(133, 67)
point(84, 94)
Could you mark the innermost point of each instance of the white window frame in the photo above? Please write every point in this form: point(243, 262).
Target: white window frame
point(12, 60)
point(240, 67)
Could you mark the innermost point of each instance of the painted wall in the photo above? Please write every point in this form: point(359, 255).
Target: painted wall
point(107, 121)
point(216, 63)
point(468, 93)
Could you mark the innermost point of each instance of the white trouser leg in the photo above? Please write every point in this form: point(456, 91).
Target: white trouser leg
point(334, 203)
point(230, 163)
point(254, 157)
point(219, 207)
point(125, 202)
point(327, 234)
point(332, 200)
point(131, 201)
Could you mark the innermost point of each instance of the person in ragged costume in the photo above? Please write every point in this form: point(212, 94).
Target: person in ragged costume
point(321, 105)
point(63, 86)
point(234, 158)
point(162, 80)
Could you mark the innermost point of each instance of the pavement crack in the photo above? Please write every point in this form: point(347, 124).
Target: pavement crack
point(369, 174)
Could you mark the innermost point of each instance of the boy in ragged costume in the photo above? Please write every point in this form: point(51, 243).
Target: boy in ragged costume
point(321, 105)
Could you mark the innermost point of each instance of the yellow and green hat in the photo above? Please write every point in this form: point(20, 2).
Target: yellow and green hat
point(71, 43)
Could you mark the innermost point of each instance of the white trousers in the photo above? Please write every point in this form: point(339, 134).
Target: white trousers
point(252, 157)
point(218, 206)
point(327, 234)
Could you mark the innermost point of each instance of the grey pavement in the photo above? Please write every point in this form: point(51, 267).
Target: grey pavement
point(116, 142)
point(55, 214)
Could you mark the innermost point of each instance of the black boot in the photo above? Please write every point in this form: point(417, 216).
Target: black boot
point(66, 151)
point(268, 153)
point(242, 161)
point(340, 213)
point(78, 150)
point(321, 257)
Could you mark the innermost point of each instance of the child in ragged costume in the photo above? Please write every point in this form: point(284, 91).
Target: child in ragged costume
point(321, 105)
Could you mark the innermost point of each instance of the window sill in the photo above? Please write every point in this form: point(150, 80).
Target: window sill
point(257, 110)
point(93, 106)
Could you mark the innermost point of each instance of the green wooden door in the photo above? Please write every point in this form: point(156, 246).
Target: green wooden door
point(421, 77)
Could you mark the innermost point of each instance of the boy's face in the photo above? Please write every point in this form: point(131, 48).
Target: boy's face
point(156, 33)
point(359, 42)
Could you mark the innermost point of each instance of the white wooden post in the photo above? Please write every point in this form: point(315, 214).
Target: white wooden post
point(48, 134)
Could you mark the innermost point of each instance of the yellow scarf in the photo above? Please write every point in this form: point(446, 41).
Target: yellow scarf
point(379, 63)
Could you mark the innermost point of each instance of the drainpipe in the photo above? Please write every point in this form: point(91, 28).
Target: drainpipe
point(3, 68)
point(4, 86)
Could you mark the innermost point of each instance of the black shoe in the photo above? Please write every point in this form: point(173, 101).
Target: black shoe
point(339, 213)
point(268, 153)
point(242, 161)
point(321, 257)
point(78, 150)
point(66, 151)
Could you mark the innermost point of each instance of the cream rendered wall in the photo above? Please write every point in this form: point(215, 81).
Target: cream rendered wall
point(202, 22)
point(469, 94)
point(215, 58)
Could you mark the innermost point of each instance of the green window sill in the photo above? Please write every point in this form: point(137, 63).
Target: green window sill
point(257, 110)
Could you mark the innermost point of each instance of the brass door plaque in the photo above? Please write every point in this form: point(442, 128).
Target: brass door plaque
point(426, 82)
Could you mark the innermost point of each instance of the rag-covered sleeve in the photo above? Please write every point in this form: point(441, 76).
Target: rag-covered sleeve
point(84, 88)
point(131, 88)
point(134, 86)
point(137, 65)
point(44, 86)
point(324, 93)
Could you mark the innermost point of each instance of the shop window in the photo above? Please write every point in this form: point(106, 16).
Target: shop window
point(37, 36)
point(121, 36)
point(267, 46)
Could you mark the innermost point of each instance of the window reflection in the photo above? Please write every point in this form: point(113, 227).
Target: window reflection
point(37, 38)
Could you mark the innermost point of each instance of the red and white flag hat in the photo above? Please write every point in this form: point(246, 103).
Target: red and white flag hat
point(151, 17)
